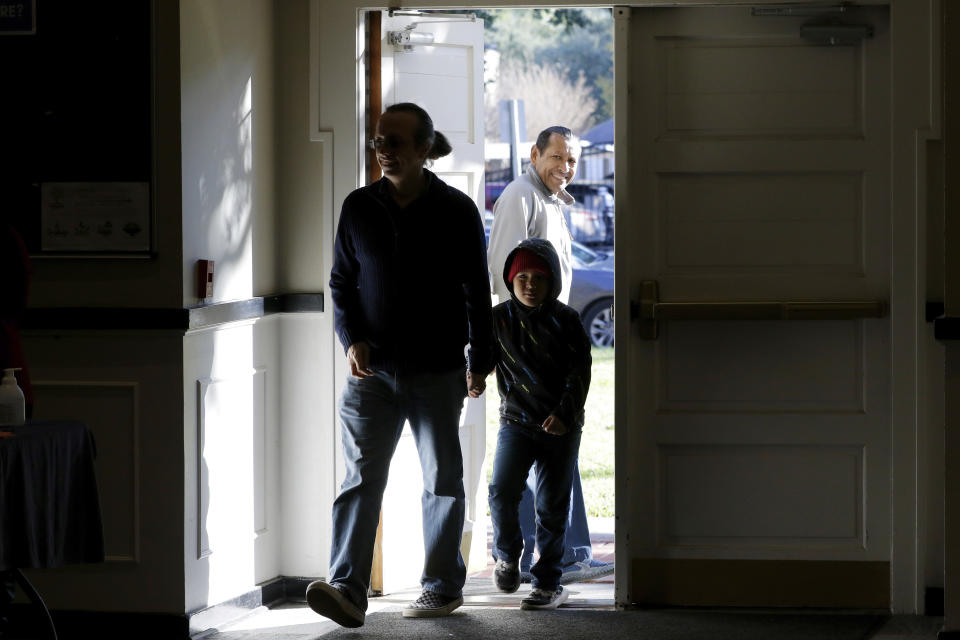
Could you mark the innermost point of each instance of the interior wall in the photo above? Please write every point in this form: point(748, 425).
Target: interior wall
point(231, 479)
point(232, 373)
point(125, 387)
point(254, 189)
point(933, 440)
point(305, 232)
point(228, 146)
point(93, 282)
point(300, 235)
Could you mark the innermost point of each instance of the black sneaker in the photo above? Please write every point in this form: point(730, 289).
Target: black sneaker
point(332, 601)
point(432, 605)
point(506, 576)
point(544, 599)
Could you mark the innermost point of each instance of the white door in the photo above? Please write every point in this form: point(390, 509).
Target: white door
point(444, 77)
point(753, 453)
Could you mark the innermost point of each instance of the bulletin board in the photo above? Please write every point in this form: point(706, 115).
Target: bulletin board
point(76, 116)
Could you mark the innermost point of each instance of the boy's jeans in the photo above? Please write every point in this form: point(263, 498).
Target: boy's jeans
point(554, 458)
point(372, 414)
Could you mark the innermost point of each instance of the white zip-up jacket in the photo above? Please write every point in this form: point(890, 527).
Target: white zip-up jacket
point(527, 209)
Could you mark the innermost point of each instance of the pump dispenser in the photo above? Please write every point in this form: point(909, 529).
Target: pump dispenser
point(12, 405)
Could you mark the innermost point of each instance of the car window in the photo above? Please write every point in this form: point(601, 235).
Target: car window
point(584, 255)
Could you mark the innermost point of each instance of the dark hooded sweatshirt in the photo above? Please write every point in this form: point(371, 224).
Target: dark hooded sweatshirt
point(412, 282)
point(543, 361)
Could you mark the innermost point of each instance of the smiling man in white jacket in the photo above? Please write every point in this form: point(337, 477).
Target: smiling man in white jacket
point(532, 206)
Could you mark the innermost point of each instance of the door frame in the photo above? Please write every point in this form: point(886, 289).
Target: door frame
point(336, 62)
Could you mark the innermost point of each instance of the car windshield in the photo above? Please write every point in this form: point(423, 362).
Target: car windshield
point(585, 255)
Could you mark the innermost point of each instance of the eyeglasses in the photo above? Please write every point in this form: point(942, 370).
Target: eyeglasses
point(390, 143)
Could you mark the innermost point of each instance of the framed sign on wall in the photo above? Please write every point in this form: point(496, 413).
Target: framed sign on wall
point(76, 161)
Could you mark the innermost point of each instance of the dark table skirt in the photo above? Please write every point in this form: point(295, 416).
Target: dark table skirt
point(49, 505)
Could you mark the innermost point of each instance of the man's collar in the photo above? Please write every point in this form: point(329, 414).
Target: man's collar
point(382, 186)
point(562, 195)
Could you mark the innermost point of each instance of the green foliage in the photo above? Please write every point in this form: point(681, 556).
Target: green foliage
point(567, 18)
point(574, 40)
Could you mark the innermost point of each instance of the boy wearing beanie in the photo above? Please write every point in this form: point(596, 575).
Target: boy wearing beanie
point(543, 373)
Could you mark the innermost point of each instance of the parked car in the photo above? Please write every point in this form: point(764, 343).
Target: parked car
point(591, 217)
point(591, 289)
point(591, 293)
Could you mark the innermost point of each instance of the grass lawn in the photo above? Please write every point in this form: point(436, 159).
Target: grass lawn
point(596, 446)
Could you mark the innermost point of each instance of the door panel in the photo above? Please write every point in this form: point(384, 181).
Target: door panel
point(760, 222)
point(759, 449)
point(445, 78)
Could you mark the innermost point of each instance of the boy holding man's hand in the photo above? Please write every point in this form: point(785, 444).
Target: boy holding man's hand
point(543, 374)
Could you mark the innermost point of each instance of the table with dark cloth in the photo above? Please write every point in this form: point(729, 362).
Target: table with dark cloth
point(49, 505)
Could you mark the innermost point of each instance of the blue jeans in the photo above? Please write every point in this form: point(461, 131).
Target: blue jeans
point(576, 546)
point(554, 459)
point(372, 413)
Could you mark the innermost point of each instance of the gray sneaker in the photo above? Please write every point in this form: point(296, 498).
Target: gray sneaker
point(332, 601)
point(432, 605)
point(586, 570)
point(544, 599)
point(506, 576)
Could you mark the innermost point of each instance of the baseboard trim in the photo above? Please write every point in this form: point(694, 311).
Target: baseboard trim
point(280, 589)
point(760, 583)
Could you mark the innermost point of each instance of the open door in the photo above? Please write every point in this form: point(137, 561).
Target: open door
point(437, 62)
point(754, 448)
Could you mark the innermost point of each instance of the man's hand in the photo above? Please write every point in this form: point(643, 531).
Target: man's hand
point(554, 425)
point(358, 355)
point(475, 384)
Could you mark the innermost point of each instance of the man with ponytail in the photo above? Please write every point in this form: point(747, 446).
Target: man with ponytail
point(410, 292)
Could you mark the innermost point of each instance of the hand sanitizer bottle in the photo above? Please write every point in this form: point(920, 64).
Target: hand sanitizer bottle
point(12, 406)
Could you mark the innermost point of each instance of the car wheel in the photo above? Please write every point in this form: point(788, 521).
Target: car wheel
point(598, 322)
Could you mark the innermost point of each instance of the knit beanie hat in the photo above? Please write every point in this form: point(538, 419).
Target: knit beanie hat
point(526, 260)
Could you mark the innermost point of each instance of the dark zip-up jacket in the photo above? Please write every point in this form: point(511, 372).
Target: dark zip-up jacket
point(543, 363)
point(412, 282)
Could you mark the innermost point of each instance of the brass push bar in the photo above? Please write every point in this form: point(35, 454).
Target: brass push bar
point(651, 310)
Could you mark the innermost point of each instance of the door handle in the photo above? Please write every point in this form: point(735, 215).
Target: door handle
point(649, 311)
